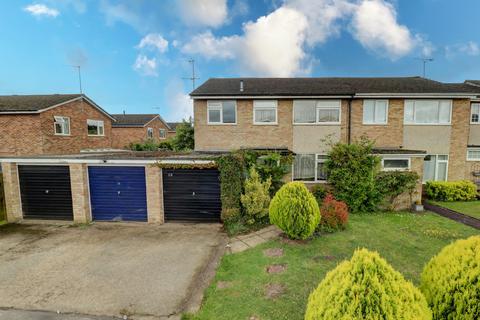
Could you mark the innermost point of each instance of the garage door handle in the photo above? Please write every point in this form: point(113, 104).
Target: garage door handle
point(47, 191)
point(193, 193)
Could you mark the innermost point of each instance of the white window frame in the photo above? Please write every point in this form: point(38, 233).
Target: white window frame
point(413, 123)
point(99, 124)
point(317, 108)
point(218, 105)
point(66, 119)
point(437, 161)
point(164, 136)
point(317, 160)
point(256, 107)
point(474, 104)
point(374, 122)
point(468, 154)
point(397, 169)
point(150, 133)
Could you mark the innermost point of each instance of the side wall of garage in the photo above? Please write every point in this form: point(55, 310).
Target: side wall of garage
point(79, 181)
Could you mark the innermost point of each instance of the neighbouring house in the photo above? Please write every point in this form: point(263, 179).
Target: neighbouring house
point(131, 128)
point(52, 124)
point(417, 124)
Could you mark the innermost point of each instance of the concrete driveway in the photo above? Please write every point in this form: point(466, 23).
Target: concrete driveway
point(112, 269)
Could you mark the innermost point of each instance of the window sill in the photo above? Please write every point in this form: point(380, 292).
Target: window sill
point(474, 123)
point(318, 124)
point(375, 124)
point(428, 124)
point(96, 135)
point(222, 124)
point(311, 182)
point(62, 135)
point(265, 123)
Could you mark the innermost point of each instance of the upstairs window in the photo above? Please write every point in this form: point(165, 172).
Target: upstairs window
point(428, 111)
point(162, 133)
point(375, 111)
point(150, 133)
point(265, 111)
point(316, 111)
point(475, 116)
point(222, 112)
point(95, 127)
point(62, 126)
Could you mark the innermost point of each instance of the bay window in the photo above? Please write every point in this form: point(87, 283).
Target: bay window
point(222, 112)
point(316, 111)
point(62, 125)
point(475, 113)
point(265, 111)
point(375, 111)
point(427, 111)
point(309, 167)
point(435, 168)
point(95, 127)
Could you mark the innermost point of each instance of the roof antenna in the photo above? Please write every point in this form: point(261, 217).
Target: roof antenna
point(193, 77)
point(79, 68)
point(425, 60)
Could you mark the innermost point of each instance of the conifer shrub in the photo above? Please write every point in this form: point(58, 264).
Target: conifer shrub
point(256, 197)
point(366, 287)
point(295, 211)
point(451, 281)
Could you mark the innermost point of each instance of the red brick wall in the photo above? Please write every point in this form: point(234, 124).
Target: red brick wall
point(123, 136)
point(31, 134)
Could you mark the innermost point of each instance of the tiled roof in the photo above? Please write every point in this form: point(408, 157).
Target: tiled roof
point(132, 120)
point(173, 125)
point(32, 103)
point(327, 86)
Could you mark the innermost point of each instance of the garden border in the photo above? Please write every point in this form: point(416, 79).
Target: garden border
point(453, 215)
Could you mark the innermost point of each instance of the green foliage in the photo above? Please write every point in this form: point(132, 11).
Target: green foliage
point(334, 214)
point(463, 190)
point(366, 287)
point(167, 145)
point(351, 172)
point(294, 210)
point(147, 145)
point(256, 198)
point(451, 281)
point(184, 137)
point(319, 192)
point(231, 168)
point(394, 183)
point(268, 164)
point(211, 165)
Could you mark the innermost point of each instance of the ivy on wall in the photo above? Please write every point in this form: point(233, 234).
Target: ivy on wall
point(210, 165)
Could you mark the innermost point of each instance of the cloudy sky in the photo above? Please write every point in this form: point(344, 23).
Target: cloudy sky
point(134, 54)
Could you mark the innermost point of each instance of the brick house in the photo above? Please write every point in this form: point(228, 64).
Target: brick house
point(52, 124)
point(417, 124)
point(130, 128)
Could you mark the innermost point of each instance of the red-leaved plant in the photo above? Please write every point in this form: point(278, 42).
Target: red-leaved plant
point(334, 214)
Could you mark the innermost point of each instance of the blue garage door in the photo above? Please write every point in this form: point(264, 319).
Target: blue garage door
point(118, 193)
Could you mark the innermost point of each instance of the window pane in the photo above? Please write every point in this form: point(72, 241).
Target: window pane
point(442, 171)
point(304, 111)
point(304, 167)
point(214, 115)
point(444, 112)
point(265, 115)
point(321, 171)
point(328, 115)
point(395, 163)
point(426, 112)
point(474, 154)
point(429, 168)
point(381, 112)
point(229, 112)
point(442, 157)
point(368, 111)
point(92, 129)
point(162, 133)
point(66, 126)
point(475, 112)
point(58, 128)
point(408, 116)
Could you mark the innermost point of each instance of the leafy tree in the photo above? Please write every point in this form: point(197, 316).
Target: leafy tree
point(184, 138)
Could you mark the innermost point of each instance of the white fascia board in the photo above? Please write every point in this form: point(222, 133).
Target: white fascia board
point(99, 161)
point(269, 97)
point(400, 155)
point(416, 95)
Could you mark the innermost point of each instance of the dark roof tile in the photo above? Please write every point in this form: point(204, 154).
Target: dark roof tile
point(32, 103)
point(132, 120)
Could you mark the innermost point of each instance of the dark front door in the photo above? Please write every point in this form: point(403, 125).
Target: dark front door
point(118, 193)
point(46, 192)
point(191, 194)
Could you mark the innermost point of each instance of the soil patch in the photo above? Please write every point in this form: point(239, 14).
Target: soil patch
point(274, 290)
point(273, 252)
point(276, 268)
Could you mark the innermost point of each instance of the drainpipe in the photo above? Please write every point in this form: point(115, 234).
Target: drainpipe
point(349, 125)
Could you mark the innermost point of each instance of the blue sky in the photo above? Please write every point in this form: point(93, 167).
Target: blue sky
point(134, 54)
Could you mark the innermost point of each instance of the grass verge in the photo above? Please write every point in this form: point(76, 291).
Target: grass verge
point(470, 208)
point(406, 240)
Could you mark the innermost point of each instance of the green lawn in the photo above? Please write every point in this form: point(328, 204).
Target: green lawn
point(406, 240)
point(470, 208)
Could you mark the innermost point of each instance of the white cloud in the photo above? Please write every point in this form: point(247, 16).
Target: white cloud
point(121, 12)
point(469, 48)
point(179, 104)
point(210, 13)
point(210, 47)
point(375, 26)
point(154, 40)
point(146, 66)
point(41, 10)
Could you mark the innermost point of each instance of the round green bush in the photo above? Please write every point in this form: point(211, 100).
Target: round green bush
point(451, 281)
point(366, 287)
point(295, 210)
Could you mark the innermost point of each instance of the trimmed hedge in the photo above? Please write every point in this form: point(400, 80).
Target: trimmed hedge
point(366, 287)
point(462, 190)
point(451, 281)
point(294, 210)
